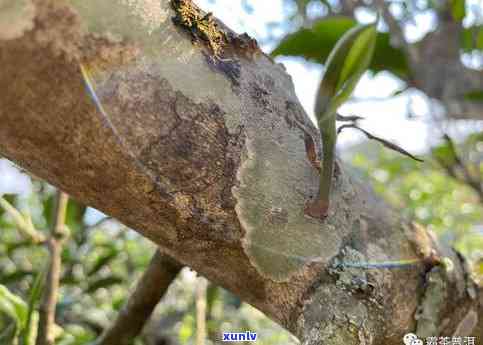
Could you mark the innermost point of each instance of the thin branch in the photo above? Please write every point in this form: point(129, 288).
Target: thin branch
point(97, 224)
point(396, 31)
point(57, 236)
point(24, 223)
point(152, 286)
point(474, 182)
point(384, 142)
point(479, 326)
point(212, 293)
point(350, 118)
point(201, 311)
point(349, 6)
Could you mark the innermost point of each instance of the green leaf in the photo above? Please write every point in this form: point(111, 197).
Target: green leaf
point(118, 303)
point(316, 43)
point(479, 39)
point(474, 96)
point(479, 268)
point(9, 335)
point(458, 9)
point(13, 306)
point(104, 283)
point(12, 247)
point(29, 332)
point(74, 215)
point(103, 261)
point(444, 155)
point(48, 210)
point(15, 276)
point(472, 38)
point(186, 329)
point(345, 65)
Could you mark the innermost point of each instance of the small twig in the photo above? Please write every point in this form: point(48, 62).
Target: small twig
point(396, 31)
point(384, 142)
point(152, 286)
point(24, 223)
point(201, 311)
point(350, 118)
point(468, 178)
point(57, 236)
point(97, 224)
point(212, 293)
point(349, 6)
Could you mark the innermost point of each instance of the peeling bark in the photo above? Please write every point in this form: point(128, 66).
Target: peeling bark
point(206, 157)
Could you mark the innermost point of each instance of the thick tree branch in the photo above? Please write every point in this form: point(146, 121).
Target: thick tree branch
point(152, 286)
point(205, 155)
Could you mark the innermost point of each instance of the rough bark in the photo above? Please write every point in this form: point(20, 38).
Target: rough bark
point(206, 157)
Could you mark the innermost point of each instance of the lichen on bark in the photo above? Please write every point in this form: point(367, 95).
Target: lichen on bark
point(333, 317)
point(430, 310)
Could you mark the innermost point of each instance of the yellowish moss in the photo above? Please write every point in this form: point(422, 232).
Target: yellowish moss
point(201, 26)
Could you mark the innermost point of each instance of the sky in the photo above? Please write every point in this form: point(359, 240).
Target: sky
point(12, 181)
point(384, 118)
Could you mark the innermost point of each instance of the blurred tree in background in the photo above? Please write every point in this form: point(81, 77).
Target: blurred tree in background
point(101, 259)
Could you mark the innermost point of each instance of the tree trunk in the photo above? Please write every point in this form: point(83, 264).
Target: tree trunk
point(200, 146)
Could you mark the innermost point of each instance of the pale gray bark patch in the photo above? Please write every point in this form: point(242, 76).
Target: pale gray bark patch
point(273, 189)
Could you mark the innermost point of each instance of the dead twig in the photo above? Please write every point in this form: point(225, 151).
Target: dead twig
point(384, 142)
point(350, 118)
point(471, 180)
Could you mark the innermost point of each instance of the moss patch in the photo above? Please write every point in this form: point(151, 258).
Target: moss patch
point(201, 26)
